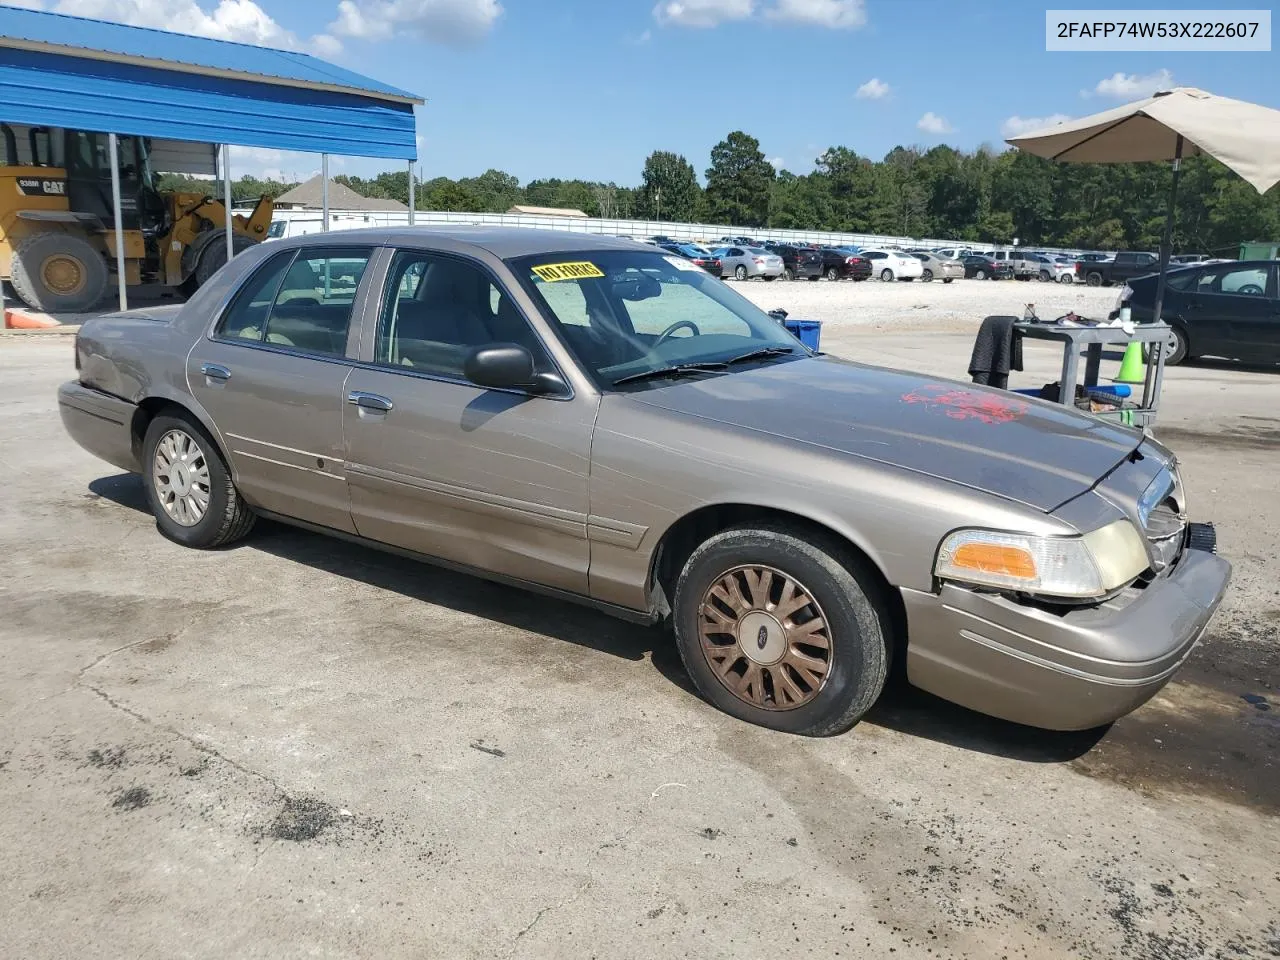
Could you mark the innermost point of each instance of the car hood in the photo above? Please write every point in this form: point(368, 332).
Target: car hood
point(1002, 443)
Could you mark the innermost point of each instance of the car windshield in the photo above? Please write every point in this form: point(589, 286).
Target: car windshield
point(629, 312)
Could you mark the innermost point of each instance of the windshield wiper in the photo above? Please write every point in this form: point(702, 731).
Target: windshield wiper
point(678, 370)
point(761, 354)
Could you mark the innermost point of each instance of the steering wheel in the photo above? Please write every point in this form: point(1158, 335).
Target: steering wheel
point(679, 324)
point(1251, 288)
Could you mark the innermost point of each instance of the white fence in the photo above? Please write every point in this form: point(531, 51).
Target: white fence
point(292, 223)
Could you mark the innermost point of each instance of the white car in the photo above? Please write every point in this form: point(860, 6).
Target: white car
point(952, 253)
point(893, 265)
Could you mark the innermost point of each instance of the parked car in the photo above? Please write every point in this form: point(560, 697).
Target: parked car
point(798, 262)
point(839, 264)
point(1126, 265)
point(952, 253)
point(980, 267)
point(936, 267)
point(1053, 269)
point(743, 263)
point(1093, 258)
point(602, 422)
point(696, 255)
point(893, 265)
point(1020, 265)
point(1227, 310)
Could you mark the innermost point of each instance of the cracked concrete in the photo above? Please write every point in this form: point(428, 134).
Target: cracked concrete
point(468, 771)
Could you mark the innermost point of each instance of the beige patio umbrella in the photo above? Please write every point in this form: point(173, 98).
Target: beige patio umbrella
point(1178, 123)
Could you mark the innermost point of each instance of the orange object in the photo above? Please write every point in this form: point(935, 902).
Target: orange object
point(21, 320)
point(996, 558)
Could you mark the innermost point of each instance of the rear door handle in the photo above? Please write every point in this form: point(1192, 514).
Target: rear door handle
point(370, 401)
point(215, 371)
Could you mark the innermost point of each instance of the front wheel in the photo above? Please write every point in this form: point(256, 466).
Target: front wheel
point(1066, 278)
point(886, 275)
point(189, 487)
point(740, 272)
point(782, 631)
point(979, 274)
point(947, 279)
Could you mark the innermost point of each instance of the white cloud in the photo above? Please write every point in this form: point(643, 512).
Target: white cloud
point(240, 20)
point(873, 89)
point(1132, 86)
point(457, 23)
point(1016, 126)
point(776, 162)
point(837, 14)
point(932, 123)
point(25, 4)
point(702, 13)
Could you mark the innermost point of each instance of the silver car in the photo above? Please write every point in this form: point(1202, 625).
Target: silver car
point(743, 263)
point(601, 421)
point(939, 268)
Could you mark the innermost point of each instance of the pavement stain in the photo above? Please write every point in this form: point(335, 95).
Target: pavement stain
point(135, 798)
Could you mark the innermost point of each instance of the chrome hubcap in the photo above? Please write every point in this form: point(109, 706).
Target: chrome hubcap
point(180, 474)
point(765, 637)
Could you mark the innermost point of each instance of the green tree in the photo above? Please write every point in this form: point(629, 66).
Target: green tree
point(738, 182)
point(669, 187)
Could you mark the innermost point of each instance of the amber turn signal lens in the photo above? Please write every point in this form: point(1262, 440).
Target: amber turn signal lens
point(995, 558)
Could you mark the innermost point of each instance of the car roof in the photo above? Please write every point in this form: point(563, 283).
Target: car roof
point(501, 242)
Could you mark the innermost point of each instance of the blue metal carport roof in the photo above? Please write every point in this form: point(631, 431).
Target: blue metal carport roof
point(64, 71)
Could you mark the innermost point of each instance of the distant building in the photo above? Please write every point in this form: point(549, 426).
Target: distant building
point(307, 196)
point(547, 211)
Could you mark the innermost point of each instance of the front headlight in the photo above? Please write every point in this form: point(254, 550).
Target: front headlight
point(1079, 568)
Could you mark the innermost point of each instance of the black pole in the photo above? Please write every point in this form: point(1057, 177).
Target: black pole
point(1166, 246)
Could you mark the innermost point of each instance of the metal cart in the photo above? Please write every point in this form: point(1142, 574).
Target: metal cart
point(1092, 340)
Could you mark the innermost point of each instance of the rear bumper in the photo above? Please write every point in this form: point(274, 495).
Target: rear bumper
point(1068, 671)
point(100, 423)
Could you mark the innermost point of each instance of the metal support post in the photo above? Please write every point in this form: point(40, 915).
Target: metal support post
point(113, 147)
point(324, 191)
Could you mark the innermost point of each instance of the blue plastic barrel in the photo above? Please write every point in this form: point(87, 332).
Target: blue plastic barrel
point(808, 332)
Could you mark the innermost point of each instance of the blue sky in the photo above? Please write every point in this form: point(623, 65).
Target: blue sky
point(586, 88)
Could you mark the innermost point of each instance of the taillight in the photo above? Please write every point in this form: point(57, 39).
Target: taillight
point(757, 260)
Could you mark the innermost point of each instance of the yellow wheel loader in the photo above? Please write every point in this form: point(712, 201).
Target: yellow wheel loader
point(57, 226)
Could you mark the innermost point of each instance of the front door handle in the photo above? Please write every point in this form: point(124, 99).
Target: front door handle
point(370, 401)
point(215, 371)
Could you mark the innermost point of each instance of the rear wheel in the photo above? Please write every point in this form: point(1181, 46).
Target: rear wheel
point(1094, 279)
point(781, 631)
point(58, 272)
point(189, 486)
point(1066, 278)
point(833, 273)
point(788, 273)
point(1046, 276)
point(927, 276)
point(947, 279)
point(886, 275)
point(740, 272)
point(1175, 347)
point(214, 256)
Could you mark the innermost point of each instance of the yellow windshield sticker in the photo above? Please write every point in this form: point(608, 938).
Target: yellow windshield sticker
point(582, 270)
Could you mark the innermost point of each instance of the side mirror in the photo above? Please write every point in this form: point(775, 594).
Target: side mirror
point(508, 366)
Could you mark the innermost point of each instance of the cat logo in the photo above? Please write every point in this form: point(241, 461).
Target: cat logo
point(32, 187)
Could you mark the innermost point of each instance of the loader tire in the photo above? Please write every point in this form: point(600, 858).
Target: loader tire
point(214, 256)
point(58, 272)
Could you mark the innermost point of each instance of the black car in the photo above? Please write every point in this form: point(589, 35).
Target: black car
point(1227, 310)
point(840, 264)
point(694, 255)
point(798, 262)
point(984, 268)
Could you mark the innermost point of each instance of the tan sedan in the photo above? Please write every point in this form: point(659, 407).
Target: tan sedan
point(939, 268)
point(603, 422)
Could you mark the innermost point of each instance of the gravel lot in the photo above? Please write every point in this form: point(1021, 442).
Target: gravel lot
point(948, 306)
point(301, 748)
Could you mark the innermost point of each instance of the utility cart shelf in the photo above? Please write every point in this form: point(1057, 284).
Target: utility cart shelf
point(1091, 340)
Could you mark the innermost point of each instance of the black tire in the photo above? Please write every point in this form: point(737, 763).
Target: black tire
point(886, 275)
point(1177, 348)
point(927, 276)
point(214, 257)
point(40, 258)
point(849, 600)
point(1094, 279)
point(1046, 276)
point(740, 272)
point(818, 277)
point(768, 279)
point(1066, 278)
point(947, 279)
point(979, 274)
point(832, 274)
point(788, 273)
point(227, 519)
